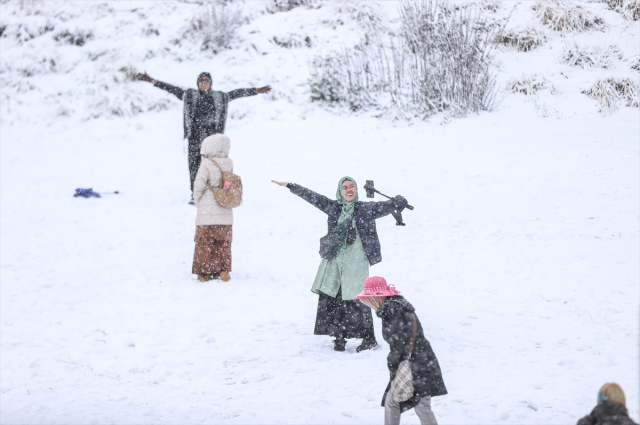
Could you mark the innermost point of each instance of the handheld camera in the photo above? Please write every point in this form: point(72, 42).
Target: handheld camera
point(397, 213)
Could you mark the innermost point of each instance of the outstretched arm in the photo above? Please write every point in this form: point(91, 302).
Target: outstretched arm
point(234, 94)
point(321, 202)
point(177, 91)
point(380, 209)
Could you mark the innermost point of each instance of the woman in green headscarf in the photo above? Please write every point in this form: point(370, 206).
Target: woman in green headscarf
point(348, 250)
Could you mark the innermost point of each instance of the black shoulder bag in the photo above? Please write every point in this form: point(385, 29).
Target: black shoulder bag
point(331, 243)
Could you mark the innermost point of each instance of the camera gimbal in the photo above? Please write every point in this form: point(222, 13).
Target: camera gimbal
point(397, 213)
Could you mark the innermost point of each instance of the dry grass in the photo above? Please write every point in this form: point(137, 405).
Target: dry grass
point(214, 25)
point(611, 92)
point(523, 40)
point(491, 5)
point(527, 84)
point(292, 41)
point(363, 13)
point(630, 9)
point(286, 5)
point(561, 15)
point(591, 56)
point(439, 61)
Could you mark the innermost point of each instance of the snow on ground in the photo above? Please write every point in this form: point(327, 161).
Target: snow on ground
point(521, 256)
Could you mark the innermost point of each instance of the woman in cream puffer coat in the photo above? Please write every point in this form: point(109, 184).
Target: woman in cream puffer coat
point(212, 256)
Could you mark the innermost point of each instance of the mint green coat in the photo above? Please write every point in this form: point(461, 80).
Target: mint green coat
point(349, 268)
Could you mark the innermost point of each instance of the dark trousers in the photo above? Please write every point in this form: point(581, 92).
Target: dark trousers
point(194, 160)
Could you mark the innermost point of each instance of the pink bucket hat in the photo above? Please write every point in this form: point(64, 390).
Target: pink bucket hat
point(376, 286)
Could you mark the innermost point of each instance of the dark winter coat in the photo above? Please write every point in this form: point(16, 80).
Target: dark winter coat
point(607, 413)
point(365, 214)
point(397, 325)
point(205, 114)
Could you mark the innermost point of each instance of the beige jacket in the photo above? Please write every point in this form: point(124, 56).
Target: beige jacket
point(215, 147)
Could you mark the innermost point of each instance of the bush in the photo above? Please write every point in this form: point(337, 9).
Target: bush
point(630, 9)
point(113, 91)
point(362, 13)
point(27, 31)
point(560, 15)
point(292, 41)
point(635, 63)
point(523, 41)
point(77, 38)
point(527, 84)
point(326, 85)
point(440, 61)
point(491, 5)
point(214, 25)
point(590, 57)
point(612, 91)
point(286, 5)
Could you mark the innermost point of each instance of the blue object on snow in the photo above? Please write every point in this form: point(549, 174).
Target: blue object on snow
point(86, 193)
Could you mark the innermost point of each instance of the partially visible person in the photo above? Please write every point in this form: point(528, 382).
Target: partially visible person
point(611, 408)
point(398, 321)
point(212, 256)
point(205, 112)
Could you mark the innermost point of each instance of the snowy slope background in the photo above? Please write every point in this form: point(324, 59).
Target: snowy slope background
point(521, 256)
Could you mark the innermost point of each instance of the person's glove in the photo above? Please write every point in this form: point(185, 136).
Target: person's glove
point(144, 77)
point(265, 89)
point(400, 202)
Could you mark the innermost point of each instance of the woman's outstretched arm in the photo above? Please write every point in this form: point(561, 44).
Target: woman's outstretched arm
point(321, 202)
point(382, 208)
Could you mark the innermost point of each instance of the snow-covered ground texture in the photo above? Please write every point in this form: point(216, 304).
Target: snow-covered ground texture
point(521, 256)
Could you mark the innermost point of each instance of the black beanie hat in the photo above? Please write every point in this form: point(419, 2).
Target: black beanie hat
point(204, 74)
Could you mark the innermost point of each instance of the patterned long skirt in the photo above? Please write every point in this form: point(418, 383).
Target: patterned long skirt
point(213, 250)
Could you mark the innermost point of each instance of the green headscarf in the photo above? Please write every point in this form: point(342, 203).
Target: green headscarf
point(601, 397)
point(347, 207)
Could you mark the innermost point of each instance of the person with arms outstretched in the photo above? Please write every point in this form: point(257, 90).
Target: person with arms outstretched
point(205, 112)
point(350, 247)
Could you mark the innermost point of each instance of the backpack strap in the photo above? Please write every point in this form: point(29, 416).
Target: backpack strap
point(216, 164)
point(210, 159)
point(413, 336)
point(221, 172)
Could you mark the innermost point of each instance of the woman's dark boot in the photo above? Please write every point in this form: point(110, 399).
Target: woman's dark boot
point(339, 344)
point(368, 343)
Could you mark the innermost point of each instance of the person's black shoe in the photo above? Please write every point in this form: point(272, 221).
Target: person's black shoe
point(339, 344)
point(367, 344)
point(192, 202)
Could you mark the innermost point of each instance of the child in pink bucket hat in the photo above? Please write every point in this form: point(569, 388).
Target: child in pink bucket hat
point(400, 326)
point(376, 286)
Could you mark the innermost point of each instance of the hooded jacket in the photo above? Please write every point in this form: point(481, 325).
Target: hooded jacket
point(397, 325)
point(365, 214)
point(607, 413)
point(214, 147)
point(204, 113)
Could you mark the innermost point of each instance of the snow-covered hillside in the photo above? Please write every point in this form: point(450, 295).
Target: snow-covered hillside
point(521, 256)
